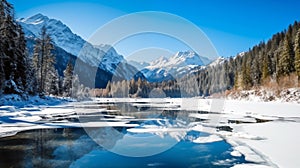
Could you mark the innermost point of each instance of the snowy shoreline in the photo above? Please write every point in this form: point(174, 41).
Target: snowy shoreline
point(261, 131)
point(21, 101)
point(290, 95)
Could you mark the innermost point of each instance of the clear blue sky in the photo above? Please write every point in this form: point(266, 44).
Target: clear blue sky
point(233, 26)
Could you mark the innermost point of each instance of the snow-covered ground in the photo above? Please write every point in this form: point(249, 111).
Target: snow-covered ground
point(265, 95)
point(264, 132)
point(25, 100)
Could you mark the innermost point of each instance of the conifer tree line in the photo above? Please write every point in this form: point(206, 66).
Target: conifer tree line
point(21, 73)
point(266, 62)
point(270, 61)
point(138, 88)
point(14, 60)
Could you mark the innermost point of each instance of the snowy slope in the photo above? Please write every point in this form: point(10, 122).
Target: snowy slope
point(218, 61)
point(174, 67)
point(138, 65)
point(180, 59)
point(64, 38)
point(59, 32)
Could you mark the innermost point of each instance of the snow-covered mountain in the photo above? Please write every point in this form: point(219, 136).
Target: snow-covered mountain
point(174, 67)
point(60, 33)
point(138, 65)
point(104, 57)
point(218, 61)
point(68, 46)
point(63, 37)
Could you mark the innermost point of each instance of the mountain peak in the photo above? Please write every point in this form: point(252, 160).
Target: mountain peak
point(63, 37)
point(176, 66)
point(159, 62)
point(218, 61)
point(185, 54)
point(59, 32)
point(35, 19)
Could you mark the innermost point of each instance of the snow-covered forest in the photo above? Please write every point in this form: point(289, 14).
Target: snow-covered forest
point(25, 74)
point(273, 65)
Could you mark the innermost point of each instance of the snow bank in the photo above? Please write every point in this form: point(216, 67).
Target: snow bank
point(281, 145)
point(265, 132)
point(27, 101)
point(275, 139)
point(250, 166)
point(286, 95)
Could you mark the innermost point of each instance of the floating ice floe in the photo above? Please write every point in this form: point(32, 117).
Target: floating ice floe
point(248, 165)
point(208, 139)
point(27, 118)
point(249, 154)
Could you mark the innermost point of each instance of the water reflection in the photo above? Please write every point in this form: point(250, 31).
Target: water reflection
point(72, 147)
point(129, 134)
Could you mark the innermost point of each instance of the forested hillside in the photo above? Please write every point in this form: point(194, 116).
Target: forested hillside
point(14, 61)
point(30, 74)
point(274, 64)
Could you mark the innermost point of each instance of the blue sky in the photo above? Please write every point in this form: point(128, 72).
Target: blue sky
point(232, 26)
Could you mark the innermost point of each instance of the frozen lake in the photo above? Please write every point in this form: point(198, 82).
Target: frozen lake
point(142, 133)
point(74, 148)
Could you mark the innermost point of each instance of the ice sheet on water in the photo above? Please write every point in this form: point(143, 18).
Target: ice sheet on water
point(249, 154)
point(208, 139)
point(27, 118)
point(235, 153)
point(248, 165)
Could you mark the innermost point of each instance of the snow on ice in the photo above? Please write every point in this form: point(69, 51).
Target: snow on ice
point(264, 132)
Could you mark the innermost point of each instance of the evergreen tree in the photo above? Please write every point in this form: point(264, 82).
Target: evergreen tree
point(67, 82)
point(13, 55)
point(2, 74)
point(285, 60)
point(266, 67)
point(132, 87)
point(255, 72)
point(44, 60)
point(297, 54)
point(31, 87)
point(236, 80)
point(246, 82)
point(52, 82)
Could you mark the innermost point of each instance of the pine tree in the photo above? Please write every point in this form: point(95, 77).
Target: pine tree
point(52, 82)
point(43, 60)
point(2, 74)
point(132, 87)
point(285, 60)
point(31, 84)
point(67, 82)
point(246, 81)
point(255, 72)
point(236, 80)
point(297, 54)
point(13, 52)
point(266, 67)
